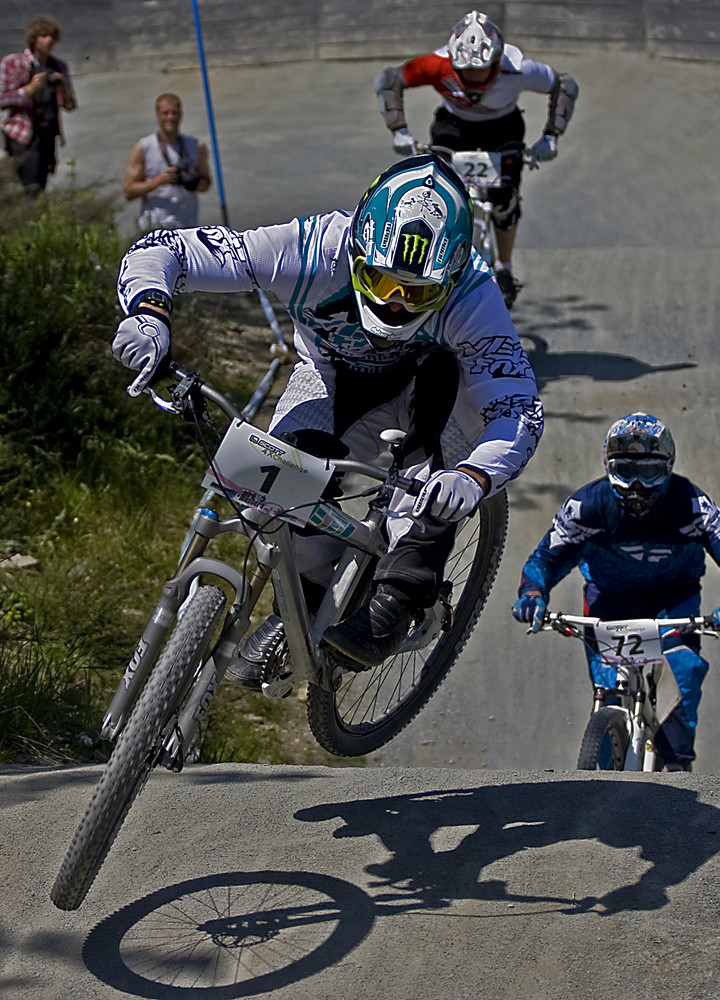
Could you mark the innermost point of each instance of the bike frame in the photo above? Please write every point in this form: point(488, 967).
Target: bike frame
point(271, 541)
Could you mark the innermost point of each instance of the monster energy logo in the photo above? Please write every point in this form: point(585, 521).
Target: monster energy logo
point(413, 244)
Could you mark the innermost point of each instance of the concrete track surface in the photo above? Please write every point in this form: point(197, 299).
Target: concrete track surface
point(468, 860)
point(306, 883)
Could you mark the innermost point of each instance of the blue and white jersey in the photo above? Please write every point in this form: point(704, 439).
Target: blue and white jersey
point(624, 554)
point(305, 264)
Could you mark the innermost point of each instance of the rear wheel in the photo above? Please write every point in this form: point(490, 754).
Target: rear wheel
point(372, 707)
point(605, 742)
point(138, 747)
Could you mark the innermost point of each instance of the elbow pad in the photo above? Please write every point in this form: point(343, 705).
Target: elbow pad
point(389, 87)
point(562, 103)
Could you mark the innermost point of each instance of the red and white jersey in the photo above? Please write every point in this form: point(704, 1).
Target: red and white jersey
point(517, 73)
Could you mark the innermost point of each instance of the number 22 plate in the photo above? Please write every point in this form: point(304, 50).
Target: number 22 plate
point(268, 474)
point(478, 167)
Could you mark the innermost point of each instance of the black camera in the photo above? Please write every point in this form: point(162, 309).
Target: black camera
point(52, 78)
point(187, 178)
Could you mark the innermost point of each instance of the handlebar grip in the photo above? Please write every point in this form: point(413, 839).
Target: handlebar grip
point(148, 379)
point(412, 487)
point(163, 371)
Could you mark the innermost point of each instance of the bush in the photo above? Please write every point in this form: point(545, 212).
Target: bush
point(46, 692)
point(98, 488)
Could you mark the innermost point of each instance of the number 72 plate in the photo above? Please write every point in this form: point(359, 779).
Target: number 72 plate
point(268, 474)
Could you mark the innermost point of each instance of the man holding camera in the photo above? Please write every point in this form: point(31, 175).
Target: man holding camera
point(34, 86)
point(167, 170)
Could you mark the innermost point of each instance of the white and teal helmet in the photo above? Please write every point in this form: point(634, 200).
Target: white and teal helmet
point(639, 454)
point(410, 238)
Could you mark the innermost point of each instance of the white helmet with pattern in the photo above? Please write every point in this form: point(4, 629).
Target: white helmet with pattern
point(476, 42)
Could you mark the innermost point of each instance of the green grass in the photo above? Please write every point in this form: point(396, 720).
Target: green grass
point(99, 489)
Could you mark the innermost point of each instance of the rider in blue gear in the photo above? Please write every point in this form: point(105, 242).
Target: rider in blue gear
point(639, 536)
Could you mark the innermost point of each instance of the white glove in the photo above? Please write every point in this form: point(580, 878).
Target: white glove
point(544, 149)
point(449, 494)
point(141, 342)
point(403, 143)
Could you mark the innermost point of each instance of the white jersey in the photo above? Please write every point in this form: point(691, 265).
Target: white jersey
point(170, 206)
point(305, 264)
point(516, 74)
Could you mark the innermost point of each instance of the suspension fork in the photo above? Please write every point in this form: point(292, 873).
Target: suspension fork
point(141, 661)
point(174, 593)
point(184, 728)
point(645, 734)
point(640, 752)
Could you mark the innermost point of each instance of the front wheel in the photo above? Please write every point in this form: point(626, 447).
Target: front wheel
point(605, 742)
point(372, 707)
point(137, 750)
point(484, 239)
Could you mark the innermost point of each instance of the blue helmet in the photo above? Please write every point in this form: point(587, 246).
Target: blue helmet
point(410, 238)
point(639, 457)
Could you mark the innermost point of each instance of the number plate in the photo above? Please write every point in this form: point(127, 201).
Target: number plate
point(479, 167)
point(268, 474)
point(636, 640)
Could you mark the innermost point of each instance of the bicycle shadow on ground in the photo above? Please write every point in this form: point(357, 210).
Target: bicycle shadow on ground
point(240, 934)
point(229, 935)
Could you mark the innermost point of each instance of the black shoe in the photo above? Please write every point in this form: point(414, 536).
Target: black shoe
point(375, 631)
point(508, 286)
point(253, 655)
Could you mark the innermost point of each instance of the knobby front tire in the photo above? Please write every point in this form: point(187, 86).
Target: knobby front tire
point(484, 243)
point(605, 742)
point(372, 707)
point(137, 749)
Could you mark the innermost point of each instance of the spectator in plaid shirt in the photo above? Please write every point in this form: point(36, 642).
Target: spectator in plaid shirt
point(34, 86)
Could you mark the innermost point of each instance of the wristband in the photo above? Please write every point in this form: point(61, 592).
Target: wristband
point(480, 477)
point(153, 302)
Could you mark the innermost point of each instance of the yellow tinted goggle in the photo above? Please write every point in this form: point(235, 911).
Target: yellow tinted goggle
point(381, 288)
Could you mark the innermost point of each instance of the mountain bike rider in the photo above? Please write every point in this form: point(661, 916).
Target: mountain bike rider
point(479, 79)
point(397, 323)
point(639, 536)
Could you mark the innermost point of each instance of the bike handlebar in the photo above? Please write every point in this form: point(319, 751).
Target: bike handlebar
point(514, 149)
point(188, 385)
point(572, 625)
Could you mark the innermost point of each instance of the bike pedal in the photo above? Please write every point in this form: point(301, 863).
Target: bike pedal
point(278, 687)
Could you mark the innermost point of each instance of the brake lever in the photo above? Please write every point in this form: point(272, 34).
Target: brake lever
point(400, 514)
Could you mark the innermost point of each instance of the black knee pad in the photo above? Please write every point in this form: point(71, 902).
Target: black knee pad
point(507, 213)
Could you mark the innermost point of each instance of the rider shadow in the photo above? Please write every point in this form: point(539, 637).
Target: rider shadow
point(495, 824)
point(273, 929)
point(570, 314)
point(549, 366)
